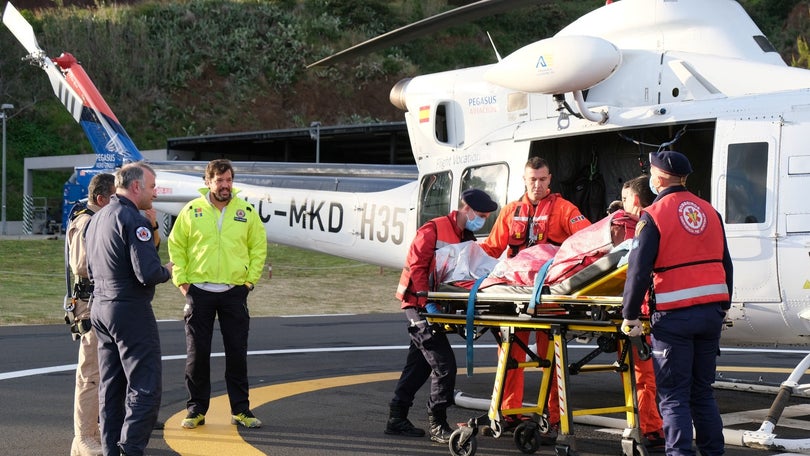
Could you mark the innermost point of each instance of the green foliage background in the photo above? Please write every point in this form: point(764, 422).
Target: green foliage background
point(181, 68)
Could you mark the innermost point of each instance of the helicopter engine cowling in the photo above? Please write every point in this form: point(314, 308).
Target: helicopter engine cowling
point(557, 65)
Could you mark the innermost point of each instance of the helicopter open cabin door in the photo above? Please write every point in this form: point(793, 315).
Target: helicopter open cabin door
point(744, 171)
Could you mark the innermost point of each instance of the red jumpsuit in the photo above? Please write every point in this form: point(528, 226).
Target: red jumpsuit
point(553, 220)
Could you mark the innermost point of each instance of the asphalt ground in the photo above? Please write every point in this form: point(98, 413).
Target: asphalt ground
point(321, 384)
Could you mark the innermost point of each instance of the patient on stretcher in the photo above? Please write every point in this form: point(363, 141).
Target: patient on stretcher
point(605, 239)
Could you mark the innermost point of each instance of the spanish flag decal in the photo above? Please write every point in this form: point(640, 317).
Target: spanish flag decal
point(424, 114)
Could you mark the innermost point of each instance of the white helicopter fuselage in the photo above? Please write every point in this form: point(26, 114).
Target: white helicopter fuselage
point(679, 79)
point(695, 76)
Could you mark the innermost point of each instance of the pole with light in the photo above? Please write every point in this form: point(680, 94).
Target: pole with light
point(3, 114)
point(315, 135)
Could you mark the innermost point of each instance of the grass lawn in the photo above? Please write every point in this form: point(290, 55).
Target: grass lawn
point(32, 283)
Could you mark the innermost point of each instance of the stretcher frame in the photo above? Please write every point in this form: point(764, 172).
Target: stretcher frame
point(590, 310)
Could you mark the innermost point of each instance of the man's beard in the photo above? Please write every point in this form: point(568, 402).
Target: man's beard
point(222, 199)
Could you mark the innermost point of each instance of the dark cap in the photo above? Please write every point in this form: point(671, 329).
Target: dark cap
point(671, 162)
point(479, 200)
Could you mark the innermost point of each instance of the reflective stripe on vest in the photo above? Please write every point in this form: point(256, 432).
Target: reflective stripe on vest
point(688, 269)
point(525, 230)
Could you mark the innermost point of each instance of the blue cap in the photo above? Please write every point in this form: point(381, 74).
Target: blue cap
point(479, 200)
point(671, 162)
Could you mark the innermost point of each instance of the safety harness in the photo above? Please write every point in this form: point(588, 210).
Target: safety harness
point(530, 224)
point(82, 288)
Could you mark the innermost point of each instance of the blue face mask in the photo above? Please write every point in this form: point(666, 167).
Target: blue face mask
point(652, 187)
point(475, 224)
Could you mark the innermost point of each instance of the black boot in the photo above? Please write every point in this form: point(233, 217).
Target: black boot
point(440, 431)
point(398, 423)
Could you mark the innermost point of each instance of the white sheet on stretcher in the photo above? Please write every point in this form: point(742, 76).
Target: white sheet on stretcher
point(463, 261)
point(467, 261)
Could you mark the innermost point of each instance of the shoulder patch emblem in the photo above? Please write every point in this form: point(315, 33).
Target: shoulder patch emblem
point(692, 217)
point(640, 226)
point(576, 219)
point(143, 234)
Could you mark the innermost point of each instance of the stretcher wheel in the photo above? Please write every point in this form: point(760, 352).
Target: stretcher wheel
point(632, 448)
point(463, 442)
point(527, 437)
point(543, 425)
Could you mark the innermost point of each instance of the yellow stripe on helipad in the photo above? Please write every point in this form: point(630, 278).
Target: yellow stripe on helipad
point(218, 436)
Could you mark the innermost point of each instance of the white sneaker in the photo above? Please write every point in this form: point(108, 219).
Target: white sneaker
point(86, 446)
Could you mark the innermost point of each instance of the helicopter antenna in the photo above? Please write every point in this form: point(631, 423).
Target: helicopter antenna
point(497, 54)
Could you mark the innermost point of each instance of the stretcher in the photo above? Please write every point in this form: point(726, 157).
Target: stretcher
point(591, 310)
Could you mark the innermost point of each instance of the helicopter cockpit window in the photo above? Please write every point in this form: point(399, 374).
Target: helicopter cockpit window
point(746, 182)
point(434, 196)
point(492, 179)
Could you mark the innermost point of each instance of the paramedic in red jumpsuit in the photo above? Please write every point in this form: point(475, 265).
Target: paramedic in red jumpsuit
point(538, 217)
point(681, 262)
point(429, 354)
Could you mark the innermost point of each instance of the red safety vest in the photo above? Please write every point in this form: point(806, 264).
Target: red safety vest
point(530, 224)
point(688, 270)
point(446, 234)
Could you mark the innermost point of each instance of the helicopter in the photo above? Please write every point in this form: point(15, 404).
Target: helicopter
point(629, 78)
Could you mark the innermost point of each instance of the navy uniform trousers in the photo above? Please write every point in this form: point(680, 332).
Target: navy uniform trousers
point(429, 356)
point(686, 343)
point(129, 366)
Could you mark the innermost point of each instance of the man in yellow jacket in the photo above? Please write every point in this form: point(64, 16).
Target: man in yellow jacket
point(218, 245)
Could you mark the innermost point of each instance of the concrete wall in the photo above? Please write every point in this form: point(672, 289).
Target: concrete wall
point(59, 163)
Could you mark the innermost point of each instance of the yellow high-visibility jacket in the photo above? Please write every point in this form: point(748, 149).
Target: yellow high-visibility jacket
point(203, 251)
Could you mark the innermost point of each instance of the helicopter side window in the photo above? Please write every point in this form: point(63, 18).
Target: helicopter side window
point(440, 125)
point(434, 196)
point(492, 179)
point(746, 183)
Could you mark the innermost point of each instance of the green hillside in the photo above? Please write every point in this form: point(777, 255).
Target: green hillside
point(182, 68)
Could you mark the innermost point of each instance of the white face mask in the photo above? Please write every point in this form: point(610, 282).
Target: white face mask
point(476, 223)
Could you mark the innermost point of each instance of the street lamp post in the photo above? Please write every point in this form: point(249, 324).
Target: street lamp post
point(3, 114)
point(315, 135)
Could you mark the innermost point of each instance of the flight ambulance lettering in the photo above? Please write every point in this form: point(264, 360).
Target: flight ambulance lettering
point(465, 159)
point(334, 216)
point(443, 163)
point(382, 223)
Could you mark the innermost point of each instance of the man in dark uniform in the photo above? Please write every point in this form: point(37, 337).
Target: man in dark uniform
point(429, 354)
point(124, 266)
point(681, 264)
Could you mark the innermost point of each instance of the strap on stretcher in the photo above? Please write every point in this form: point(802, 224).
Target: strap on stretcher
point(539, 280)
point(469, 326)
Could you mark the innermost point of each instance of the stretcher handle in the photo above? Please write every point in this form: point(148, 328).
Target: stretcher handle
point(641, 345)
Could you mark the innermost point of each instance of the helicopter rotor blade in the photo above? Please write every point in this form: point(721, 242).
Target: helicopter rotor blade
point(423, 27)
point(21, 29)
